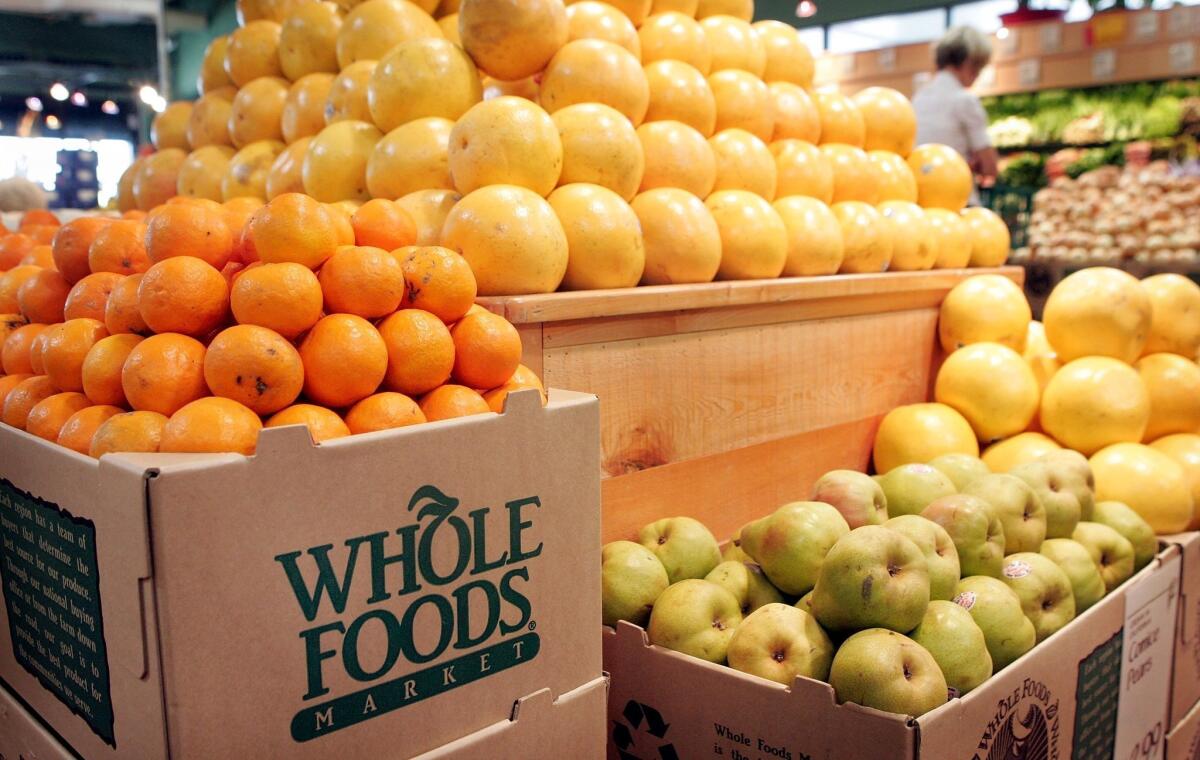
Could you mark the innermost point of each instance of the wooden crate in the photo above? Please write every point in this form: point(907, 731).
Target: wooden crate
point(720, 396)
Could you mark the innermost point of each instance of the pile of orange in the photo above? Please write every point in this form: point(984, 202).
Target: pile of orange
point(190, 328)
point(574, 145)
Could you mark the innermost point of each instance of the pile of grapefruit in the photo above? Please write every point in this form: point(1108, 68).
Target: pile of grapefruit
point(190, 328)
point(575, 145)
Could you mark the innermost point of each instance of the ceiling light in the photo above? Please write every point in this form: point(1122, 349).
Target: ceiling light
point(1002, 33)
point(59, 91)
point(148, 94)
point(34, 103)
point(52, 122)
point(110, 108)
point(78, 98)
point(806, 9)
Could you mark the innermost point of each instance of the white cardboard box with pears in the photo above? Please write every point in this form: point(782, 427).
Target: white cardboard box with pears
point(938, 611)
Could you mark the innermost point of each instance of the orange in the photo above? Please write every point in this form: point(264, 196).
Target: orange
point(383, 411)
point(101, 370)
point(209, 122)
point(438, 281)
point(120, 247)
point(507, 141)
point(512, 39)
point(991, 242)
point(254, 366)
point(284, 297)
point(323, 424)
point(308, 40)
point(304, 110)
point(601, 21)
point(788, 58)
point(522, 88)
point(201, 172)
point(679, 92)
point(742, 9)
point(212, 425)
point(287, 173)
point(121, 314)
point(635, 10)
point(66, 347)
point(7, 383)
point(345, 360)
point(169, 128)
point(815, 243)
point(429, 209)
point(511, 238)
point(39, 216)
point(10, 283)
point(294, 228)
point(79, 429)
point(347, 99)
point(841, 121)
point(743, 102)
point(449, 401)
point(487, 350)
point(23, 397)
point(212, 74)
point(183, 294)
point(419, 79)
point(253, 52)
point(14, 355)
point(362, 280)
point(891, 123)
point(754, 240)
point(131, 431)
point(164, 372)
point(383, 224)
point(449, 26)
point(126, 200)
point(43, 296)
point(866, 236)
point(677, 156)
point(271, 10)
point(247, 172)
point(801, 168)
point(257, 111)
point(37, 348)
point(89, 297)
point(951, 238)
point(914, 247)
point(342, 213)
point(155, 184)
point(595, 71)
point(374, 27)
point(855, 178)
point(420, 352)
point(674, 36)
point(895, 178)
point(604, 238)
point(943, 177)
point(523, 379)
point(682, 240)
point(42, 234)
point(794, 114)
point(48, 416)
point(601, 147)
point(13, 248)
point(40, 255)
point(71, 244)
point(734, 44)
point(335, 167)
point(744, 163)
point(237, 216)
point(9, 323)
point(189, 230)
point(412, 157)
point(1173, 383)
point(133, 213)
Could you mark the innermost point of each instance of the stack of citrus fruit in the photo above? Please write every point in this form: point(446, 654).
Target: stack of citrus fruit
point(577, 145)
point(191, 327)
point(1111, 372)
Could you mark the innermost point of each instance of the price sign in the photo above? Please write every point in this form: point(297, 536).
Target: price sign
point(887, 59)
point(1029, 72)
point(845, 66)
point(1104, 64)
point(1145, 26)
point(1051, 38)
point(920, 79)
point(1182, 56)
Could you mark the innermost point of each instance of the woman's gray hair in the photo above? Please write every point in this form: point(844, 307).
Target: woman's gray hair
point(962, 44)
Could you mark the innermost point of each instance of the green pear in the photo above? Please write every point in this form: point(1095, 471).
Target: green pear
point(888, 671)
point(1112, 552)
point(685, 547)
point(1018, 507)
point(735, 553)
point(805, 603)
point(1086, 584)
point(747, 583)
point(1074, 473)
point(791, 543)
point(1124, 520)
point(996, 609)
point(955, 641)
point(779, 643)
point(872, 578)
point(1063, 510)
point(941, 556)
point(910, 488)
point(962, 469)
point(1044, 590)
point(631, 578)
point(855, 495)
point(695, 617)
point(974, 529)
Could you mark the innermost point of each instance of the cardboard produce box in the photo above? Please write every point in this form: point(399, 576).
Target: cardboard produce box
point(1183, 743)
point(23, 737)
point(1186, 690)
point(1096, 687)
point(377, 596)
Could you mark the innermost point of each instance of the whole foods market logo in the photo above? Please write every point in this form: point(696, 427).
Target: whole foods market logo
point(434, 586)
point(1024, 726)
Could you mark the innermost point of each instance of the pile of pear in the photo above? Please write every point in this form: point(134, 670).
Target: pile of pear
point(901, 590)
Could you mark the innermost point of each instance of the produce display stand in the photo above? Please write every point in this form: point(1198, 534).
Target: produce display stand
point(726, 399)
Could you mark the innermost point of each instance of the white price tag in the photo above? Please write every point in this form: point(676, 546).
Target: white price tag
point(1185, 21)
point(1182, 56)
point(1149, 641)
point(1029, 72)
point(1051, 38)
point(1104, 64)
point(1145, 25)
point(887, 59)
point(844, 66)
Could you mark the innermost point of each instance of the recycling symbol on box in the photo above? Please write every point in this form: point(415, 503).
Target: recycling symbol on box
point(647, 724)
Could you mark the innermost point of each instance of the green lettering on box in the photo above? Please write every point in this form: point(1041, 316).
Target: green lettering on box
point(1096, 695)
point(51, 587)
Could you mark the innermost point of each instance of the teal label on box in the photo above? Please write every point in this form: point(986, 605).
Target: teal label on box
point(51, 588)
point(1096, 696)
